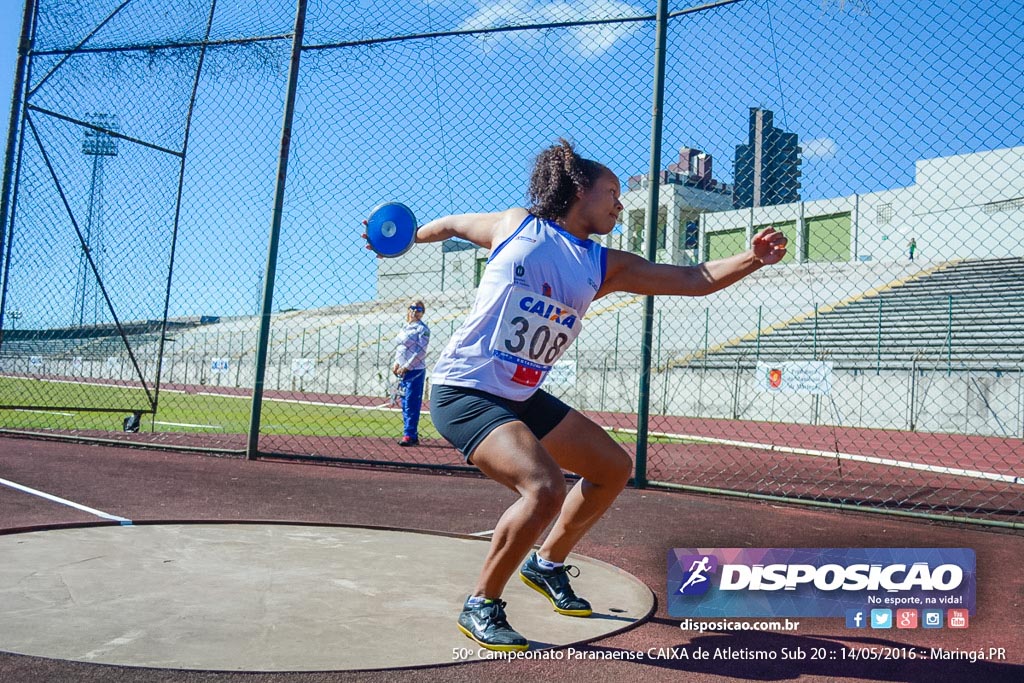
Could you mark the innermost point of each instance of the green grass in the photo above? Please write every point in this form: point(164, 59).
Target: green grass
point(213, 414)
point(207, 414)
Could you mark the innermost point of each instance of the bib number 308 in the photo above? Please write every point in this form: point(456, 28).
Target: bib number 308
point(539, 342)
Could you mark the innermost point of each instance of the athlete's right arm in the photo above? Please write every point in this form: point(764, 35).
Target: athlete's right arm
point(482, 229)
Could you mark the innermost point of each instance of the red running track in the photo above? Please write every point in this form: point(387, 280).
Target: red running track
point(635, 535)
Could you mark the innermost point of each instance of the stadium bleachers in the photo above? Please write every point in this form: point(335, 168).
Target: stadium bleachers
point(92, 342)
point(968, 313)
point(857, 315)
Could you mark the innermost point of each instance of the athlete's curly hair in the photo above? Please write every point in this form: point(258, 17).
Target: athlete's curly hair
point(558, 174)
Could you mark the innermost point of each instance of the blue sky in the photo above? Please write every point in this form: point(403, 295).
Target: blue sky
point(452, 125)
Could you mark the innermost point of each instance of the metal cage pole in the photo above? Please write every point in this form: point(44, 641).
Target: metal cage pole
point(17, 104)
point(651, 242)
point(262, 342)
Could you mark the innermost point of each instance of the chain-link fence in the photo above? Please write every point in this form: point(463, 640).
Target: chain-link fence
point(185, 184)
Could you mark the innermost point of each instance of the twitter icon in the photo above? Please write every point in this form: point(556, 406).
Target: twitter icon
point(881, 618)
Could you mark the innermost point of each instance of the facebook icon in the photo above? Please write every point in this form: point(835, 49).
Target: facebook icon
point(855, 618)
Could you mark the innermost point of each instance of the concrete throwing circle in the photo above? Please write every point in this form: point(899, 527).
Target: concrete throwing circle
point(272, 597)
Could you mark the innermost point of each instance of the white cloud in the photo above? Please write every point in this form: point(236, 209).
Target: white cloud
point(819, 148)
point(586, 41)
point(497, 15)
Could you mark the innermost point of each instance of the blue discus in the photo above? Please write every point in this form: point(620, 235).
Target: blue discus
point(391, 229)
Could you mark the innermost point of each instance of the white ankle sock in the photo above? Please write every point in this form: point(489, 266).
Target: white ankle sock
point(547, 564)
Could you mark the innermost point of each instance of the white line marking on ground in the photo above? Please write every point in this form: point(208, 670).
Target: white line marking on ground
point(383, 406)
point(333, 405)
point(63, 501)
point(853, 457)
point(44, 412)
point(483, 534)
point(187, 424)
point(75, 381)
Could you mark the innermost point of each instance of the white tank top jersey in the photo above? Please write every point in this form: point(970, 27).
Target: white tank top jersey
point(533, 295)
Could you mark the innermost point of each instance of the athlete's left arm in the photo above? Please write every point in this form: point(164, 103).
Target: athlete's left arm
point(626, 272)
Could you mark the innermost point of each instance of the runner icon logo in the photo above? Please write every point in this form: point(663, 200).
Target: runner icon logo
point(695, 580)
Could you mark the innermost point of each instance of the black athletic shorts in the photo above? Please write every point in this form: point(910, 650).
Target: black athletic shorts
point(466, 416)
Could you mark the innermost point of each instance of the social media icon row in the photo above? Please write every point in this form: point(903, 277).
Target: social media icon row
point(906, 618)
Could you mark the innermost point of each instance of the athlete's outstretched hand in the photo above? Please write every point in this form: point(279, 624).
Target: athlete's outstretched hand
point(769, 246)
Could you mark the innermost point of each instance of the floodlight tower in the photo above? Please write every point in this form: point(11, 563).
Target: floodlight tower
point(98, 144)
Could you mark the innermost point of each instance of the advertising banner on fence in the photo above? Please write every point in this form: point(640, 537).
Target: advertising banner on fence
point(817, 582)
point(795, 377)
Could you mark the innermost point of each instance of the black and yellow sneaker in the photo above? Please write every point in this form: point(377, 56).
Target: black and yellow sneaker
point(486, 624)
point(554, 585)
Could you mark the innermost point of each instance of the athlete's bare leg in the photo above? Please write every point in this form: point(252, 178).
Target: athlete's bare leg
point(512, 455)
point(580, 446)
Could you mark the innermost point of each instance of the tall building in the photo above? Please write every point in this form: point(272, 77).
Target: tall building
point(688, 190)
point(695, 165)
point(767, 169)
point(693, 169)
